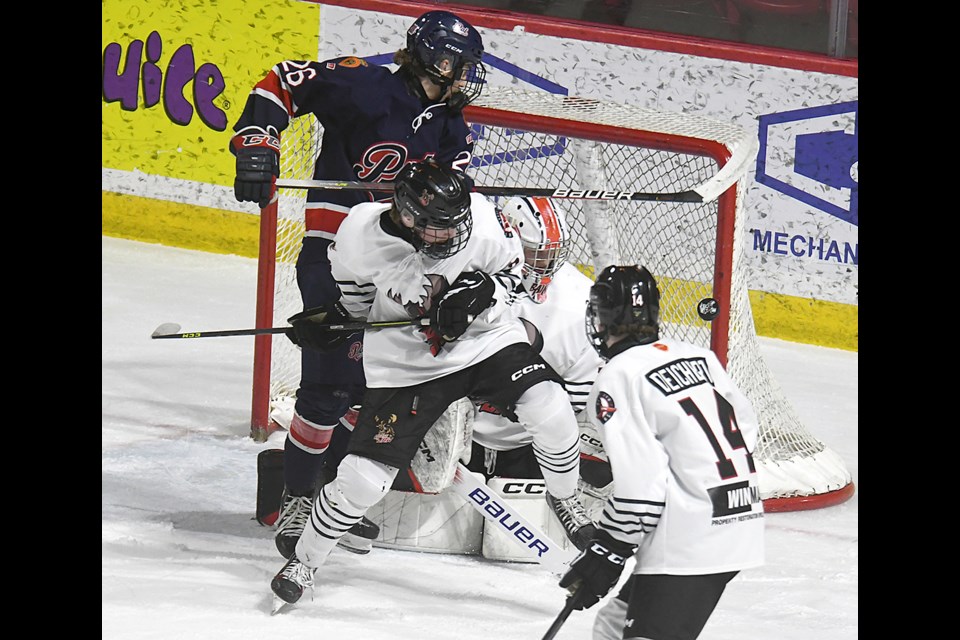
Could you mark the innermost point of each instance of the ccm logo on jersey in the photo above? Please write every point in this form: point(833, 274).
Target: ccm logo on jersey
point(508, 522)
point(530, 368)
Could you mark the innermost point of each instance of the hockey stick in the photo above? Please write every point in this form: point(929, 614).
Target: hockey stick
point(172, 329)
point(572, 601)
point(559, 193)
point(509, 521)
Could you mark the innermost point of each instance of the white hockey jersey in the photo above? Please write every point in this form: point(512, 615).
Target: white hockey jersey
point(383, 278)
point(560, 320)
point(680, 437)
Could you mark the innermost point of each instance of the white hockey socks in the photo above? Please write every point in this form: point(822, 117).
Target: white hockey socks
point(544, 410)
point(360, 484)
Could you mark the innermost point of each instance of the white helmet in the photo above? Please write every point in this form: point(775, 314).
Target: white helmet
point(545, 240)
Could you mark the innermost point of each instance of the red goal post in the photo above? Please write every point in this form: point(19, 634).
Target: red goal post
point(694, 246)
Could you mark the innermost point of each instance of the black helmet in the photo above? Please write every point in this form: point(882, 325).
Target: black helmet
point(438, 199)
point(438, 37)
point(623, 301)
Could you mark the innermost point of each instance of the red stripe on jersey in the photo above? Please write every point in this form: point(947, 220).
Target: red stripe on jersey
point(311, 437)
point(323, 220)
point(349, 419)
point(271, 84)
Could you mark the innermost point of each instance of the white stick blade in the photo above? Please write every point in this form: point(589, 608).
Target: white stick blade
point(166, 329)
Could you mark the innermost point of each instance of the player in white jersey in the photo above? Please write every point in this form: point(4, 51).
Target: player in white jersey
point(686, 502)
point(554, 296)
point(394, 262)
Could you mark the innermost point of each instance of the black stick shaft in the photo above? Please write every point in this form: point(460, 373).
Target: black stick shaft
point(558, 193)
point(214, 334)
point(563, 615)
point(161, 331)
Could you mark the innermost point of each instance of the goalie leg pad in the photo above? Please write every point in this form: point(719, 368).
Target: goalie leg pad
point(526, 497)
point(432, 523)
point(444, 445)
point(269, 486)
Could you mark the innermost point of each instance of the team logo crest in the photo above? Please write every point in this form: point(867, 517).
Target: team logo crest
point(605, 407)
point(385, 432)
point(426, 198)
point(460, 28)
point(355, 352)
point(353, 62)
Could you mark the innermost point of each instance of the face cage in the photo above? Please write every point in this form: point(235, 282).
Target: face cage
point(596, 332)
point(474, 78)
point(453, 246)
point(469, 87)
point(540, 263)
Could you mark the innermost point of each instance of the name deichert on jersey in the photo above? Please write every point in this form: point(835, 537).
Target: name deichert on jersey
point(680, 437)
point(383, 278)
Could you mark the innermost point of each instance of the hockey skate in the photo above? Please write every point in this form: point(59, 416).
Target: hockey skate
point(359, 538)
point(576, 523)
point(293, 517)
point(292, 581)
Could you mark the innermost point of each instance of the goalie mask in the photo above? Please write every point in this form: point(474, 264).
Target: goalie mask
point(545, 239)
point(448, 50)
point(435, 202)
point(623, 301)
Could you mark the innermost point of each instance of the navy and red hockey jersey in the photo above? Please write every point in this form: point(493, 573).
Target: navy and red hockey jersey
point(373, 123)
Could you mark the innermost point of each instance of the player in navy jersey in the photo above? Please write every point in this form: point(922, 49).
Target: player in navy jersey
point(374, 123)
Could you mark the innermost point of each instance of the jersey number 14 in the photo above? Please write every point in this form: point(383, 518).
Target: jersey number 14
point(730, 429)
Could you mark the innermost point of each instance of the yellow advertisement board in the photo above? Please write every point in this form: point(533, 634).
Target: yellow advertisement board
point(176, 75)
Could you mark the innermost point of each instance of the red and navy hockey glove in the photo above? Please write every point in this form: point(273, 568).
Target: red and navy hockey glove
point(468, 295)
point(597, 569)
point(310, 329)
point(258, 164)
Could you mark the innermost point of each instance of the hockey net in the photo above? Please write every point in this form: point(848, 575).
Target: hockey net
point(696, 250)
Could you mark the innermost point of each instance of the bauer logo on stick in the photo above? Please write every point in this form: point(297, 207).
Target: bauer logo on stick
point(708, 308)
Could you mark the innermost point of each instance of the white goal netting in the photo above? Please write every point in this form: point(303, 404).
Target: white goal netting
point(696, 250)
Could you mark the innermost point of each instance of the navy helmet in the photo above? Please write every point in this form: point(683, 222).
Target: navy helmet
point(446, 49)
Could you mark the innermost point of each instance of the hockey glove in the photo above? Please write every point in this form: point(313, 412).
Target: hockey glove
point(597, 569)
point(310, 329)
point(470, 293)
point(258, 164)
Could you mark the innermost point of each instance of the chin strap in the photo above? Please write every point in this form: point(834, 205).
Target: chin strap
point(413, 83)
point(456, 102)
